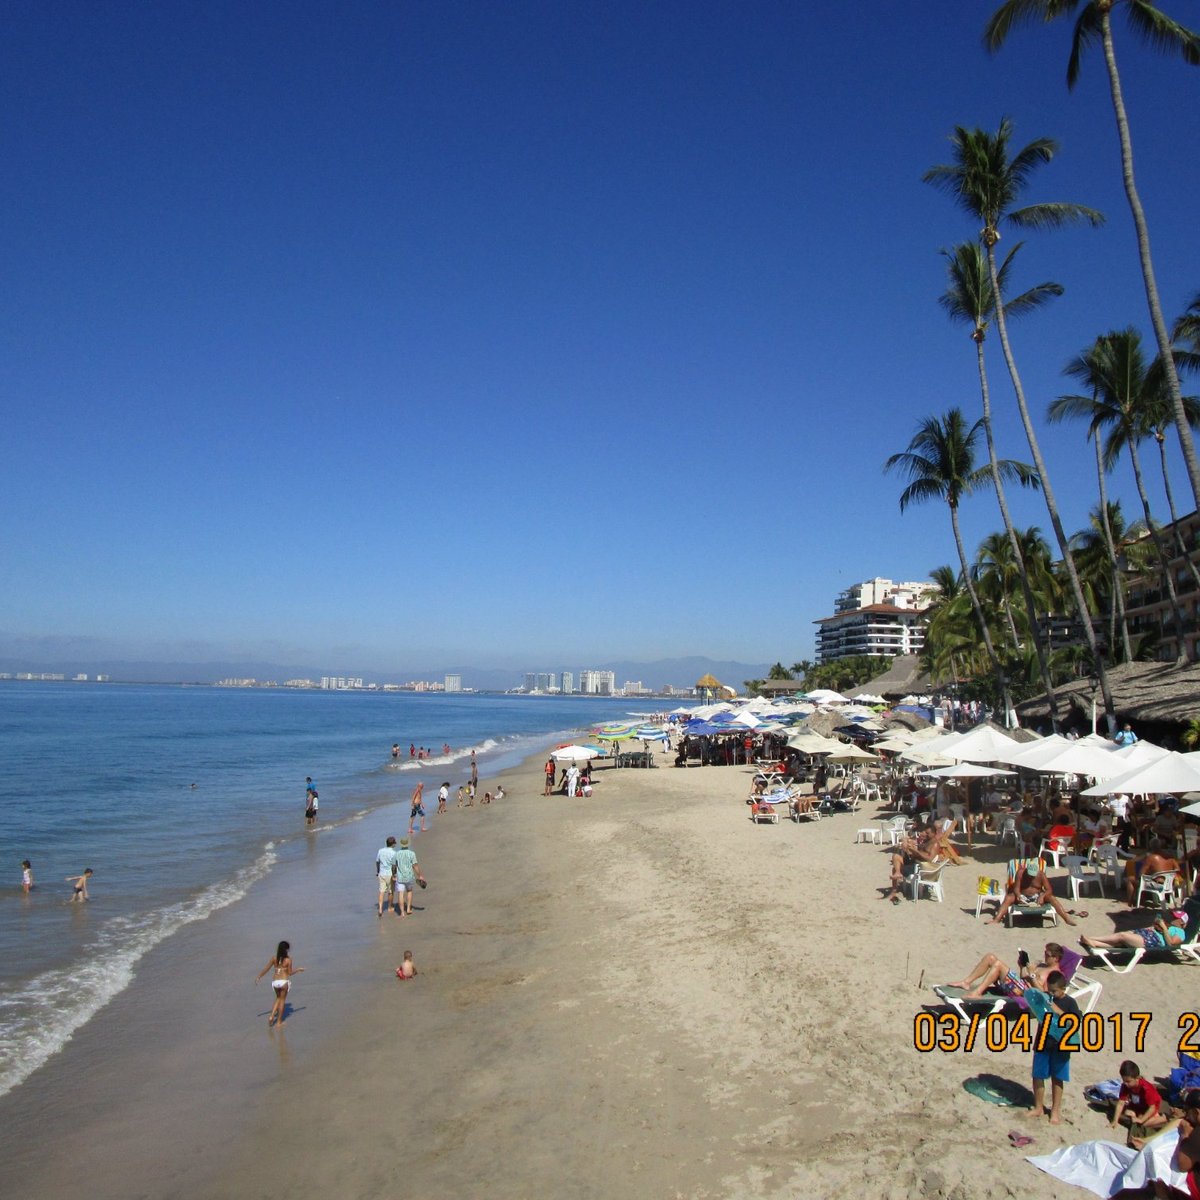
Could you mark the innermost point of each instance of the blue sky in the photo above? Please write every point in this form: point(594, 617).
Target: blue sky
point(410, 334)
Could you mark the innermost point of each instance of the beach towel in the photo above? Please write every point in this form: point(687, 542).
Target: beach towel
point(1106, 1168)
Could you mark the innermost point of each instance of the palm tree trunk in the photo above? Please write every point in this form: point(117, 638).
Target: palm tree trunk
point(1180, 544)
point(1164, 562)
point(1161, 335)
point(991, 236)
point(1014, 542)
point(1118, 584)
point(984, 631)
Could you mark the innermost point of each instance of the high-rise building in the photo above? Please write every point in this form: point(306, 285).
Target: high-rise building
point(568, 683)
point(876, 617)
point(596, 683)
point(454, 683)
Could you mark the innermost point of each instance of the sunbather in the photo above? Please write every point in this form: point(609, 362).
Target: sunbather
point(907, 859)
point(1159, 936)
point(991, 971)
point(1028, 888)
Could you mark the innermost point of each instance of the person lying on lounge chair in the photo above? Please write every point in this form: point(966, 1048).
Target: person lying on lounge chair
point(1159, 936)
point(1030, 889)
point(908, 857)
point(990, 971)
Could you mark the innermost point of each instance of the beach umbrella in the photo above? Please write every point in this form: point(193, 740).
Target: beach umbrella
point(1139, 753)
point(813, 743)
point(849, 752)
point(1171, 773)
point(576, 753)
point(981, 744)
point(968, 771)
point(825, 696)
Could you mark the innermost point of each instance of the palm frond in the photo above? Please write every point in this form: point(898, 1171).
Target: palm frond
point(1054, 215)
point(1089, 30)
point(1161, 32)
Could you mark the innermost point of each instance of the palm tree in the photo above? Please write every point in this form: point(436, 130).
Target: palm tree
point(940, 464)
point(996, 571)
point(1115, 370)
point(1094, 24)
point(1191, 734)
point(986, 180)
point(969, 299)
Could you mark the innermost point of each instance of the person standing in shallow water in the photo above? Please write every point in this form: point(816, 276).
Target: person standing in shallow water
point(310, 802)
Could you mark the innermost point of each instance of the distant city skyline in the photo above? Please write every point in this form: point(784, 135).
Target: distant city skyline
point(424, 336)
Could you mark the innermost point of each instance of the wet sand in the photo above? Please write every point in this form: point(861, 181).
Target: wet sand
point(641, 994)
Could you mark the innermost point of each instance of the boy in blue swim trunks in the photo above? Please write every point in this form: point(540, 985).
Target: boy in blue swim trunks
point(1053, 1061)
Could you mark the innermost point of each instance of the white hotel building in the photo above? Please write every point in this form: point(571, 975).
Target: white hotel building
point(877, 617)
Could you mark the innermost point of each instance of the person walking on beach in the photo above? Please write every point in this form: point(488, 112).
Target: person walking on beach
point(418, 809)
point(385, 872)
point(408, 873)
point(549, 777)
point(474, 774)
point(310, 802)
point(80, 892)
point(281, 963)
point(26, 876)
point(443, 796)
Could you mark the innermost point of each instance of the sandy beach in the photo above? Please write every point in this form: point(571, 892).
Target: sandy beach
point(637, 994)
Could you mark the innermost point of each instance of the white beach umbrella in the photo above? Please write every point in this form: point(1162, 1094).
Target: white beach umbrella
point(576, 753)
point(825, 696)
point(1029, 754)
point(967, 771)
point(867, 698)
point(849, 752)
point(1139, 753)
point(1171, 773)
point(808, 742)
point(981, 744)
point(1077, 759)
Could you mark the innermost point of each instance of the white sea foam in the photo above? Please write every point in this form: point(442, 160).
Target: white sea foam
point(38, 1018)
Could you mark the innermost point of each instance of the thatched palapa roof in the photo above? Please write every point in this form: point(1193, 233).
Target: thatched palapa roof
point(902, 678)
point(1153, 692)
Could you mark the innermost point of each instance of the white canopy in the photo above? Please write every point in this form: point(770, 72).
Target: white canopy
point(1171, 773)
point(848, 751)
point(968, 771)
point(825, 696)
point(981, 744)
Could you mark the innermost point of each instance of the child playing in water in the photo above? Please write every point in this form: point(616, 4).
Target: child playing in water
point(281, 964)
point(407, 969)
point(80, 882)
point(462, 796)
point(26, 876)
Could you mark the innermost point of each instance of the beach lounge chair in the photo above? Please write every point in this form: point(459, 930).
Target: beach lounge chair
point(1041, 911)
point(1081, 987)
point(1128, 957)
point(763, 811)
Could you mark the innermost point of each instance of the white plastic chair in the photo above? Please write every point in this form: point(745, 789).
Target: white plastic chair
point(873, 792)
point(929, 876)
point(892, 828)
point(1009, 830)
point(1078, 878)
point(957, 813)
point(1108, 863)
point(1159, 887)
point(1054, 848)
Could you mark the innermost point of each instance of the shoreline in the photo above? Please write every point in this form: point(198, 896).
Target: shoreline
point(639, 994)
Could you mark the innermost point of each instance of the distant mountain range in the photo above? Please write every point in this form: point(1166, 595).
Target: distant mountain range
point(678, 672)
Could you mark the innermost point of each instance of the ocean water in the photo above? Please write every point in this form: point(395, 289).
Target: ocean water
point(180, 798)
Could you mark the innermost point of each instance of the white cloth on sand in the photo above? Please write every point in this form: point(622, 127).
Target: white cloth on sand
point(1106, 1168)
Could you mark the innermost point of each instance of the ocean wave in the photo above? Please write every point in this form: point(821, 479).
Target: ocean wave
point(38, 1018)
point(443, 760)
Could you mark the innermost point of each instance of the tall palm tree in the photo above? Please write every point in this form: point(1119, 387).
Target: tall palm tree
point(1122, 385)
point(1059, 409)
point(1095, 24)
point(1104, 586)
point(969, 299)
point(985, 180)
point(940, 465)
point(1158, 415)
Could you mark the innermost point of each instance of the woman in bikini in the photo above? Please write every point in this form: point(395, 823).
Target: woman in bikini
point(281, 963)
